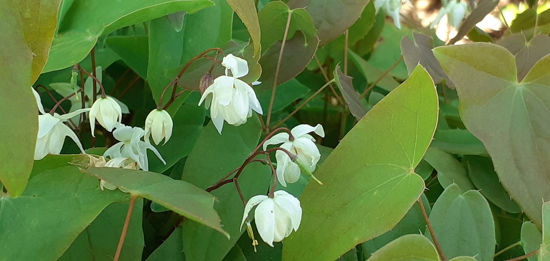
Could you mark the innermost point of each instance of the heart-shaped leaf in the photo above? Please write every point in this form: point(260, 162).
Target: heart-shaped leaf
point(372, 168)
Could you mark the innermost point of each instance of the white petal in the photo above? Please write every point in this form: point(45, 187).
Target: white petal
point(307, 152)
point(238, 66)
point(302, 129)
point(72, 114)
point(292, 172)
point(265, 220)
point(70, 133)
point(209, 90)
point(218, 122)
point(40, 150)
point(46, 122)
point(155, 151)
point(38, 101)
point(252, 202)
point(283, 224)
point(291, 205)
point(276, 139)
point(282, 163)
point(114, 151)
point(223, 90)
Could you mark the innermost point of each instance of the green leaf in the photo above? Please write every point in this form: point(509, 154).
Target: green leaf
point(353, 101)
point(508, 116)
point(246, 10)
point(133, 50)
point(176, 195)
point(412, 223)
point(213, 156)
point(100, 239)
point(19, 122)
point(331, 17)
point(188, 123)
point(484, 177)
point(531, 239)
point(388, 51)
point(525, 22)
point(58, 204)
point(544, 253)
point(458, 141)
point(39, 21)
point(77, 35)
point(165, 52)
point(171, 249)
point(300, 45)
point(463, 224)
point(463, 258)
point(210, 27)
point(449, 169)
point(371, 73)
point(286, 94)
point(373, 161)
point(408, 247)
point(533, 51)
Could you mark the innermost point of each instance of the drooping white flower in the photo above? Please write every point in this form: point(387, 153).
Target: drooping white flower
point(131, 146)
point(275, 217)
point(52, 132)
point(455, 11)
point(159, 125)
point(229, 98)
point(120, 162)
point(302, 145)
point(107, 112)
point(391, 8)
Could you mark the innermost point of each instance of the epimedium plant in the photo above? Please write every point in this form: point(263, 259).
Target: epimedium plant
point(241, 130)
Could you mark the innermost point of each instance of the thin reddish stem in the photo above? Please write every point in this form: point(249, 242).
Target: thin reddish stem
point(125, 227)
point(431, 229)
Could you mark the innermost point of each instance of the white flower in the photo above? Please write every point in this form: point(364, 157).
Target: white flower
point(275, 217)
point(159, 125)
point(107, 112)
point(131, 146)
point(52, 132)
point(231, 99)
point(38, 101)
point(391, 7)
point(120, 162)
point(455, 11)
point(303, 146)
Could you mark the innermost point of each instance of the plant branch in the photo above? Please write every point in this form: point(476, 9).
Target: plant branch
point(432, 233)
point(508, 248)
point(366, 91)
point(103, 95)
point(92, 55)
point(303, 104)
point(279, 60)
point(530, 254)
point(125, 227)
point(325, 75)
point(274, 173)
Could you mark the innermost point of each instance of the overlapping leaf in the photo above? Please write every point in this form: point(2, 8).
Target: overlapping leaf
point(85, 21)
point(509, 117)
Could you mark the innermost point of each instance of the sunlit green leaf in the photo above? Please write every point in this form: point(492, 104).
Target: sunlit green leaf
point(375, 159)
point(508, 116)
point(531, 238)
point(58, 204)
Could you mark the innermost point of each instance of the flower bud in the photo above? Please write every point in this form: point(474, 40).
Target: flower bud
point(205, 82)
point(107, 112)
point(159, 125)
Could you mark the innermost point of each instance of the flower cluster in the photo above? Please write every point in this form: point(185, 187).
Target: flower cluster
point(455, 11)
point(277, 215)
point(390, 7)
point(230, 99)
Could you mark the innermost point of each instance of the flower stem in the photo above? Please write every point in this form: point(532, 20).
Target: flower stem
point(303, 104)
point(366, 91)
point(94, 78)
point(279, 60)
point(175, 80)
point(508, 248)
point(530, 254)
point(272, 190)
point(125, 227)
point(92, 55)
point(430, 228)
